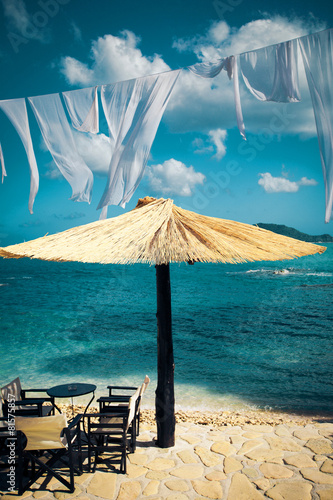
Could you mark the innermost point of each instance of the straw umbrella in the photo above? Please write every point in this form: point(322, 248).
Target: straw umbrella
point(158, 232)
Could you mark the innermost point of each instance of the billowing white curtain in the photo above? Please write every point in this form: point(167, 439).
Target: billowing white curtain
point(271, 73)
point(82, 106)
point(231, 66)
point(2, 162)
point(317, 57)
point(58, 137)
point(212, 69)
point(16, 110)
point(208, 69)
point(133, 110)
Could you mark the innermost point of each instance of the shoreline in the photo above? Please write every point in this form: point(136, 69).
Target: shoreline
point(221, 418)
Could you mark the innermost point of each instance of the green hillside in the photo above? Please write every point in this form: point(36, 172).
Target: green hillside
point(293, 233)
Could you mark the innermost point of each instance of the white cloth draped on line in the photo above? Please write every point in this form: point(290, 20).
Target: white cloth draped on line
point(16, 111)
point(58, 137)
point(82, 106)
point(317, 57)
point(231, 67)
point(207, 69)
point(2, 161)
point(271, 73)
point(212, 69)
point(133, 110)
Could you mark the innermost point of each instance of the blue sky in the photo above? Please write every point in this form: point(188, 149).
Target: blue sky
point(198, 157)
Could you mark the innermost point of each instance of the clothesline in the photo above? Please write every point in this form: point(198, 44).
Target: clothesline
point(134, 108)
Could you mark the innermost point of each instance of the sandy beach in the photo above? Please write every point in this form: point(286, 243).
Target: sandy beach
point(228, 456)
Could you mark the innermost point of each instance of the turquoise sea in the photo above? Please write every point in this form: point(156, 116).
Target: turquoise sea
point(257, 335)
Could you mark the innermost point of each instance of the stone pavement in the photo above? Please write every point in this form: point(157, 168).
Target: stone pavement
point(248, 462)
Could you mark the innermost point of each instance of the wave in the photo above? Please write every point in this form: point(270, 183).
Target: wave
point(284, 271)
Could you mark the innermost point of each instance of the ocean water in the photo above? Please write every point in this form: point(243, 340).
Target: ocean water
point(256, 335)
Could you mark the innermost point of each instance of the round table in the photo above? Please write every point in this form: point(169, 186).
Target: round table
point(71, 390)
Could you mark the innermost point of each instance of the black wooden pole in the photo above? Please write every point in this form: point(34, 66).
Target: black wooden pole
point(165, 399)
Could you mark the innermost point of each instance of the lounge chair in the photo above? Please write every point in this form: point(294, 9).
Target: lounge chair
point(36, 435)
point(13, 394)
point(113, 431)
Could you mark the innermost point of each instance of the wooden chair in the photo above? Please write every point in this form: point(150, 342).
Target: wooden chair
point(15, 398)
point(114, 402)
point(51, 435)
point(113, 431)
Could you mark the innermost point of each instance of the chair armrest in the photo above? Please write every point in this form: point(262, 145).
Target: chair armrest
point(50, 399)
point(120, 388)
point(34, 390)
point(76, 420)
point(30, 401)
point(125, 387)
point(47, 397)
point(114, 399)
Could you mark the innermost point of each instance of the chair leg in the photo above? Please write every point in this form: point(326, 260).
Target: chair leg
point(80, 452)
point(71, 469)
point(133, 438)
point(47, 467)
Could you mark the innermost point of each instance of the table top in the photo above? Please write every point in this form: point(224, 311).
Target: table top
point(70, 390)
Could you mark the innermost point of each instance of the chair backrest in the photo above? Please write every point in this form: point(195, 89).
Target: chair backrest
point(144, 385)
point(143, 390)
point(12, 389)
point(43, 433)
point(132, 407)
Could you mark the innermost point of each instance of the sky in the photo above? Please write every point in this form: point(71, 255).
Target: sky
point(198, 157)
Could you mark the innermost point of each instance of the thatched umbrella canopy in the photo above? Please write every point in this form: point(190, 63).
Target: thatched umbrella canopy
point(158, 232)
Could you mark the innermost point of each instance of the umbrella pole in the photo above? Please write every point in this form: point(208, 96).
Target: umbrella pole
point(165, 399)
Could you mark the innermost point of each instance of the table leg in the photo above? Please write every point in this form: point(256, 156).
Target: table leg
point(92, 399)
point(85, 411)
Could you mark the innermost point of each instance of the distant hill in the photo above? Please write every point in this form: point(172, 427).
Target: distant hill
point(293, 233)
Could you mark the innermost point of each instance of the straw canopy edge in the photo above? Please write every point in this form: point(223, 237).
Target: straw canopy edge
point(159, 232)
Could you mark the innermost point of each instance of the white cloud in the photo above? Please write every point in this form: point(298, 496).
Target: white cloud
point(76, 72)
point(95, 151)
point(282, 184)
point(218, 32)
point(24, 23)
point(214, 143)
point(218, 137)
point(202, 147)
point(113, 58)
point(77, 33)
point(220, 40)
point(307, 182)
point(173, 178)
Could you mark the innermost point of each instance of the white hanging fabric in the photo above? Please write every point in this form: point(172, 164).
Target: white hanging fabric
point(133, 110)
point(207, 69)
point(271, 73)
point(58, 137)
point(2, 161)
point(231, 67)
point(16, 111)
point(317, 54)
point(212, 69)
point(82, 106)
